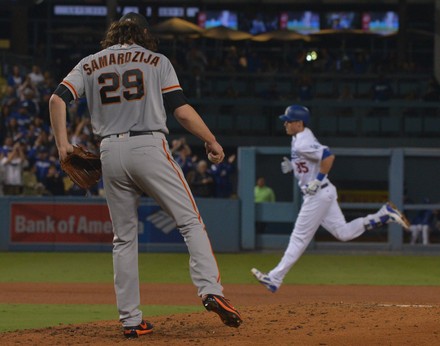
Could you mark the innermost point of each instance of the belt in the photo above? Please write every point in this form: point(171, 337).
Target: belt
point(323, 186)
point(129, 134)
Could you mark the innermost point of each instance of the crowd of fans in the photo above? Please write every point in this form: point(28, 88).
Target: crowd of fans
point(28, 156)
point(29, 162)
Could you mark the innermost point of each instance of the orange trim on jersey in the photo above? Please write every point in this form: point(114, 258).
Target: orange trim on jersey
point(182, 181)
point(191, 199)
point(71, 87)
point(171, 87)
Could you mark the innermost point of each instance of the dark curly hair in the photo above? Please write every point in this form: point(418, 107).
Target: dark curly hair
point(128, 32)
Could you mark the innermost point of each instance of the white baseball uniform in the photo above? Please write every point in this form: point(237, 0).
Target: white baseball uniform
point(319, 209)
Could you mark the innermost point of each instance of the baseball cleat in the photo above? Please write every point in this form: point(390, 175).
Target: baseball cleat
point(143, 328)
point(264, 279)
point(222, 307)
point(396, 216)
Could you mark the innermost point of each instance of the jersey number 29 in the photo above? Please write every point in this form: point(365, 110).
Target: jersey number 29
point(132, 81)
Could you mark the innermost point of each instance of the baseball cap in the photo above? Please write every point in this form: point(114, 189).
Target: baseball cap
point(137, 18)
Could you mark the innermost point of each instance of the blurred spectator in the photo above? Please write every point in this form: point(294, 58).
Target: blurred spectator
point(201, 181)
point(22, 119)
point(421, 225)
point(36, 76)
point(262, 192)
point(42, 164)
point(182, 154)
point(82, 132)
point(13, 164)
point(54, 181)
point(223, 176)
point(29, 103)
point(10, 98)
point(8, 143)
point(31, 185)
point(15, 78)
point(28, 91)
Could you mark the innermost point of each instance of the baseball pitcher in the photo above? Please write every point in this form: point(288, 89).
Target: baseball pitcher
point(128, 85)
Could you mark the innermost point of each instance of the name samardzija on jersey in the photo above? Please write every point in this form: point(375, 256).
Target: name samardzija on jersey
point(120, 59)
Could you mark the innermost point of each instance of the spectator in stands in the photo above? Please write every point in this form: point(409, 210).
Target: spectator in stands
point(421, 225)
point(41, 141)
point(201, 181)
point(54, 182)
point(262, 194)
point(13, 129)
point(22, 118)
point(15, 78)
point(82, 132)
point(10, 98)
point(13, 164)
point(182, 153)
point(46, 89)
point(27, 90)
point(31, 185)
point(42, 164)
point(36, 76)
point(30, 103)
point(223, 176)
point(8, 143)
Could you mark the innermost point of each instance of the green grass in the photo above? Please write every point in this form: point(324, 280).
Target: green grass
point(22, 316)
point(173, 268)
point(235, 268)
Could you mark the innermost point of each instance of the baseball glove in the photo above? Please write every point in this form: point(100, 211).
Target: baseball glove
point(83, 167)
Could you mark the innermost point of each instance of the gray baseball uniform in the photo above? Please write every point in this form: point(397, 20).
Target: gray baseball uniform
point(124, 85)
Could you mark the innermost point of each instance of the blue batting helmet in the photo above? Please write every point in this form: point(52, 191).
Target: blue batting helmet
point(296, 112)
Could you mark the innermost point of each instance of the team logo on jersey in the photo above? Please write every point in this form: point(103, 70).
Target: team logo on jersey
point(294, 154)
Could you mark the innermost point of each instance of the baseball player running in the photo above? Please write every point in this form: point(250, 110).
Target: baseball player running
point(127, 85)
point(311, 162)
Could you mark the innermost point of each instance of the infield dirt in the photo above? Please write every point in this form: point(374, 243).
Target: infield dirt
point(295, 315)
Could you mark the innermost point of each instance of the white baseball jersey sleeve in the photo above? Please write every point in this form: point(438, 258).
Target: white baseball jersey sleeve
point(306, 154)
point(124, 85)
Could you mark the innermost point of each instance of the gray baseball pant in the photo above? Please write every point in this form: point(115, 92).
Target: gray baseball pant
point(131, 166)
